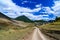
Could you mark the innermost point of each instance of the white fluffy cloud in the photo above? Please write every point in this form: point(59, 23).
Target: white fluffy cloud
point(57, 8)
point(10, 9)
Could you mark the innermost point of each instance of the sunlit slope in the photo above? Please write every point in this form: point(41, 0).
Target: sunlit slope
point(52, 29)
point(55, 25)
point(14, 30)
point(15, 34)
point(5, 23)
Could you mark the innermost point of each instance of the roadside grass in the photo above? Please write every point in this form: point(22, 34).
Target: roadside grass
point(12, 34)
point(51, 26)
point(11, 31)
point(52, 30)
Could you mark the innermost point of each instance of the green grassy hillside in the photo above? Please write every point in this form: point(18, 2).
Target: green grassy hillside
point(23, 18)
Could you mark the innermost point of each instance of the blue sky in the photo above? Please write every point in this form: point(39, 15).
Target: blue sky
point(32, 3)
point(33, 9)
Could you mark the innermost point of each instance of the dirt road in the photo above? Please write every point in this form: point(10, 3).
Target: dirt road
point(37, 35)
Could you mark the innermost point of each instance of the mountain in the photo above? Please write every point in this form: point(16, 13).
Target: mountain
point(20, 18)
point(4, 16)
point(57, 19)
point(23, 18)
point(6, 22)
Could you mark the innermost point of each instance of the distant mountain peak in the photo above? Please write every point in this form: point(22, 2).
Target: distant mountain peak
point(23, 18)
